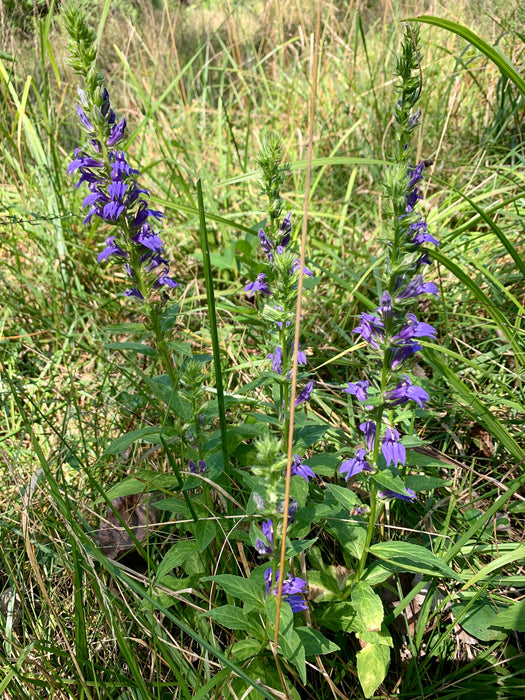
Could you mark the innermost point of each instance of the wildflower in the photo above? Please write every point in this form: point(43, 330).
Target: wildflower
point(388, 493)
point(305, 393)
point(406, 391)
point(415, 329)
point(352, 467)
point(293, 590)
point(260, 285)
point(369, 430)
point(416, 287)
point(358, 389)
point(371, 329)
point(301, 469)
point(393, 450)
point(260, 546)
point(277, 360)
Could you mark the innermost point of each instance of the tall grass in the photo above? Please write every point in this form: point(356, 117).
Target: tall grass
point(202, 86)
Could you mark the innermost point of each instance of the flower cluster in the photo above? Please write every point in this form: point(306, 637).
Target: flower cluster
point(392, 332)
point(116, 197)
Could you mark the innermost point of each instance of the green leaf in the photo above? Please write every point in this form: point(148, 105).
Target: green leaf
point(309, 435)
point(150, 434)
point(419, 482)
point(228, 616)
point(246, 590)
point(372, 665)
point(133, 347)
point(314, 642)
point(345, 497)
point(513, 618)
point(508, 558)
point(380, 637)
point(143, 481)
point(244, 649)
point(340, 617)
point(205, 531)
point(368, 607)
point(390, 481)
point(406, 556)
point(477, 617)
point(120, 328)
point(175, 556)
point(350, 536)
point(297, 546)
point(293, 650)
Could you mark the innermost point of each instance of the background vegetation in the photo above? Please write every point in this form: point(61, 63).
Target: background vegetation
point(201, 86)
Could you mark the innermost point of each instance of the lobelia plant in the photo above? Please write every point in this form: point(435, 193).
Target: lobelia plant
point(117, 199)
point(385, 396)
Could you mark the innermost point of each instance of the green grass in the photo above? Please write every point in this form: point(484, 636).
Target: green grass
point(201, 87)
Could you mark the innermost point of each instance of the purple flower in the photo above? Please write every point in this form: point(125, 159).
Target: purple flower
point(393, 450)
point(386, 306)
point(388, 493)
point(421, 234)
point(415, 329)
point(277, 360)
point(111, 248)
point(369, 431)
point(352, 467)
point(301, 355)
point(358, 389)
point(259, 285)
point(294, 589)
point(371, 329)
point(415, 174)
point(416, 287)
point(285, 232)
point(305, 393)
point(260, 546)
point(301, 469)
point(84, 120)
point(406, 391)
point(400, 354)
point(296, 265)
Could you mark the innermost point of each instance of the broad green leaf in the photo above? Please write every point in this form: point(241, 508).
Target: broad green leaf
point(513, 618)
point(297, 546)
point(419, 482)
point(372, 665)
point(368, 607)
point(205, 531)
point(377, 572)
point(406, 556)
point(133, 347)
point(350, 536)
point(293, 650)
point(390, 481)
point(323, 585)
point(477, 617)
point(174, 557)
point(244, 649)
point(228, 616)
point(380, 637)
point(314, 642)
point(150, 434)
point(345, 497)
point(251, 593)
point(308, 435)
point(143, 481)
point(286, 618)
point(340, 617)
